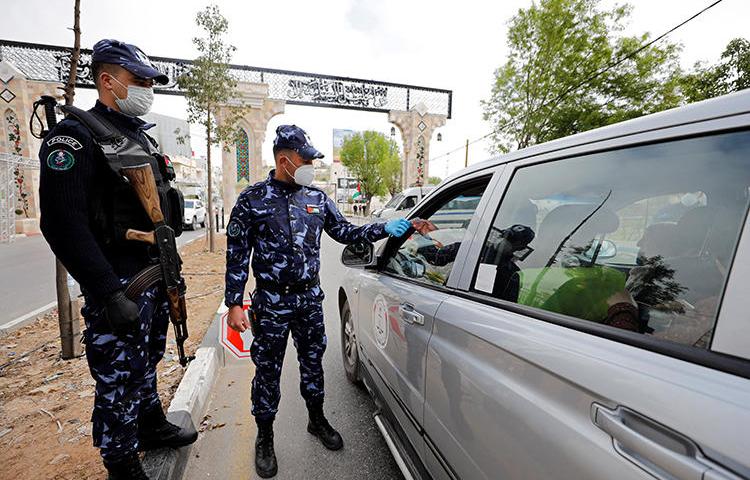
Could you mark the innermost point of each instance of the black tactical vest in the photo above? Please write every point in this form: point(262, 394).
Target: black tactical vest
point(115, 206)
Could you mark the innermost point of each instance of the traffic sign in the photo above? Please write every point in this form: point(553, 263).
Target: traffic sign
point(235, 342)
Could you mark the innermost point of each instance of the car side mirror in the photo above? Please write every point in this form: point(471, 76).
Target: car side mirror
point(359, 255)
point(607, 250)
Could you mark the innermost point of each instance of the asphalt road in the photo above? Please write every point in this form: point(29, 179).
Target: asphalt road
point(27, 275)
point(227, 452)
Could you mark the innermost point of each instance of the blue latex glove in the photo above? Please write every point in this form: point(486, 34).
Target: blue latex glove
point(397, 227)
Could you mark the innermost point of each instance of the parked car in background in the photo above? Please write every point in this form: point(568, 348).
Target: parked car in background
point(195, 214)
point(573, 310)
point(401, 203)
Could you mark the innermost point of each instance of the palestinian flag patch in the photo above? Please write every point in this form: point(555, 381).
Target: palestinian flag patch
point(313, 209)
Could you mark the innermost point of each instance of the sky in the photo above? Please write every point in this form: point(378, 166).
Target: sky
point(437, 43)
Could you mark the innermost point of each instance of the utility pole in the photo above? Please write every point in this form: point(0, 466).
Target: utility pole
point(67, 311)
point(466, 158)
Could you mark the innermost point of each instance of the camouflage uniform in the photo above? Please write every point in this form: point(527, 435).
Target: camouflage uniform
point(283, 224)
point(125, 370)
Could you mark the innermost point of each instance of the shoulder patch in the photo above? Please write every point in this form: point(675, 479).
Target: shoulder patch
point(60, 160)
point(65, 140)
point(234, 229)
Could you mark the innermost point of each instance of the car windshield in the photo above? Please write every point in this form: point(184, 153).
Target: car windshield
point(393, 202)
point(189, 204)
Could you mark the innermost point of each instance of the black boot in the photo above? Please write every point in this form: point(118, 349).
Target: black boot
point(154, 431)
point(265, 457)
point(320, 427)
point(129, 468)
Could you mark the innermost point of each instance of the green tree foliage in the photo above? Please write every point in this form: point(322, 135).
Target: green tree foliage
point(373, 159)
point(730, 74)
point(434, 181)
point(556, 44)
point(209, 88)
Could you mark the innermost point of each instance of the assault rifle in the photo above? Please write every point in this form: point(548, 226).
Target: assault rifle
point(142, 180)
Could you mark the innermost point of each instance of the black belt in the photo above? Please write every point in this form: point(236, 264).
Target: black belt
point(286, 289)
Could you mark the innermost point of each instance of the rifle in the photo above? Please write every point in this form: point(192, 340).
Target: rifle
point(142, 180)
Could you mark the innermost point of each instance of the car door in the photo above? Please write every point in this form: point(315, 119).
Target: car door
point(580, 341)
point(397, 303)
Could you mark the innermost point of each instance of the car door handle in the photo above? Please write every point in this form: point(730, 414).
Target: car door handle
point(673, 456)
point(409, 315)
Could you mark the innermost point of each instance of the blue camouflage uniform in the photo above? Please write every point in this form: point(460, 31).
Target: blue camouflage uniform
point(75, 195)
point(282, 224)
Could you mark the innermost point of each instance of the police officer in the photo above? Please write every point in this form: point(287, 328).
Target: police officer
point(86, 208)
point(282, 219)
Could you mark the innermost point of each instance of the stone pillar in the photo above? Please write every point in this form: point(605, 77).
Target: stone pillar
point(17, 95)
point(260, 109)
point(416, 127)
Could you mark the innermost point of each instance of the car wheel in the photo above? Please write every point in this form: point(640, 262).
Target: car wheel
point(194, 225)
point(203, 223)
point(349, 345)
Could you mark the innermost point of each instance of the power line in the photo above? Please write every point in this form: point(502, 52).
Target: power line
point(591, 77)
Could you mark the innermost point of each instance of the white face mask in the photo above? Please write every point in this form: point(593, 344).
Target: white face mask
point(137, 103)
point(304, 175)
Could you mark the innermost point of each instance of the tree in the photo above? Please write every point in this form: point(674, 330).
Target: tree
point(372, 158)
point(67, 316)
point(731, 74)
point(434, 181)
point(539, 94)
point(209, 88)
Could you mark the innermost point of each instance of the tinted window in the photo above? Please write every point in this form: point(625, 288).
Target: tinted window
point(639, 239)
point(188, 204)
point(408, 204)
point(429, 253)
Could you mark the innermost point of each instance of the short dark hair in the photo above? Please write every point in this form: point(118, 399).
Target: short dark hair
point(98, 67)
point(277, 150)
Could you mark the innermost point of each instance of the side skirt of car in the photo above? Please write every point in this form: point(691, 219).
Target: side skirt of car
point(377, 388)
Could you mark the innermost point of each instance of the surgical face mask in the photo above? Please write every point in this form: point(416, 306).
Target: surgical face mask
point(137, 103)
point(303, 175)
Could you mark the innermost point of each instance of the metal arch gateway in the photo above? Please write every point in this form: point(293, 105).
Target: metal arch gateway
point(51, 63)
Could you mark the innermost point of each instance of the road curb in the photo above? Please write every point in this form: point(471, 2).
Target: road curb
point(30, 317)
point(189, 402)
point(24, 320)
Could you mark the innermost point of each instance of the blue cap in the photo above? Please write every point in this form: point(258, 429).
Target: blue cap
point(294, 138)
point(129, 57)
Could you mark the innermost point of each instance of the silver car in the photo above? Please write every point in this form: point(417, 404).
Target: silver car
point(582, 315)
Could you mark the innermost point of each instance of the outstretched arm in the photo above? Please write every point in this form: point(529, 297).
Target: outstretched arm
point(345, 232)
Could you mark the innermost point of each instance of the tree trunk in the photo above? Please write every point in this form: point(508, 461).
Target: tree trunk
point(67, 311)
point(211, 216)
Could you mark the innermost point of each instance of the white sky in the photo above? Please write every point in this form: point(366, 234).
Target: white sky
point(441, 44)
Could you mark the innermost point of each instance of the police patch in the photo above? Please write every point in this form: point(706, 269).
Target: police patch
point(60, 160)
point(65, 140)
point(233, 229)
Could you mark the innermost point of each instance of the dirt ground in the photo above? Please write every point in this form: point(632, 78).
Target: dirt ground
point(46, 402)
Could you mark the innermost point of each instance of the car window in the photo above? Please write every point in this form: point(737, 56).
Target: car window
point(188, 204)
point(639, 239)
point(394, 201)
point(428, 254)
point(408, 203)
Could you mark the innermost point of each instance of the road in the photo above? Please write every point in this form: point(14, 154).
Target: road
point(228, 452)
point(27, 275)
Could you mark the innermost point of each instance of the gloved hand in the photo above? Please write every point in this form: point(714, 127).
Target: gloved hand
point(122, 313)
point(397, 227)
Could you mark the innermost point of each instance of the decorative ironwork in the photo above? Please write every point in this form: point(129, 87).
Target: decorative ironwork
point(52, 63)
point(9, 165)
point(242, 148)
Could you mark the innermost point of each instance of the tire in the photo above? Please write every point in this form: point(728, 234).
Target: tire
point(203, 223)
point(194, 225)
point(349, 353)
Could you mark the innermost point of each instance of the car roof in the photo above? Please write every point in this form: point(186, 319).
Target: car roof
point(725, 106)
point(411, 190)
